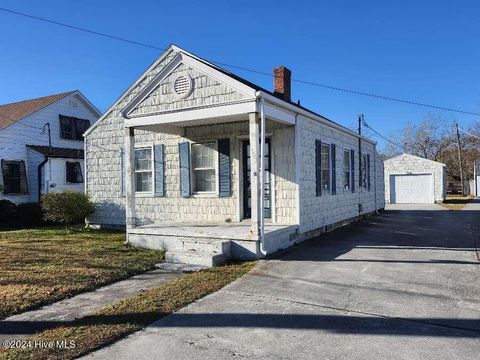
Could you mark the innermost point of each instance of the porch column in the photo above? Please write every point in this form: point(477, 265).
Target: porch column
point(254, 173)
point(130, 177)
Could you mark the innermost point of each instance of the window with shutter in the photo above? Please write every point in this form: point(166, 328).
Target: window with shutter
point(368, 172)
point(203, 165)
point(346, 170)
point(363, 171)
point(352, 159)
point(333, 151)
point(184, 159)
point(224, 172)
point(318, 167)
point(326, 167)
point(159, 170)
point(143, 170)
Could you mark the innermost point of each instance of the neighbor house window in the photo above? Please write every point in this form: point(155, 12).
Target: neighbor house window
point(203, 165)
point(143, 170)
point(326, 167)
point(72, 128)
point(364, 171)
point(346, 169)
point(14, 177)
point(74, 172)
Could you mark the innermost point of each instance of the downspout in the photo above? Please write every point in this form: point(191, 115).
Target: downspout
point(39, 177)
point(262, 178)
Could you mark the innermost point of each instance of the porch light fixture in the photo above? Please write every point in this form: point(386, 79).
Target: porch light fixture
point(183, 86)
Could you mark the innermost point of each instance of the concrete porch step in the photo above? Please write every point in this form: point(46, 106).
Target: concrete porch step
point(205, 245)
point(193, 257)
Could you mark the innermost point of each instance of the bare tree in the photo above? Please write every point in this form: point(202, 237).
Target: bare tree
point(470, 150)
point(429, 139)
point(434, 138)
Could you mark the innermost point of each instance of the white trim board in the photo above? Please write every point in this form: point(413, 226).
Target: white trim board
point(176, 118)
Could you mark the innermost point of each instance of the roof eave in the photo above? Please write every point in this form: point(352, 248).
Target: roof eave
point(301, 111)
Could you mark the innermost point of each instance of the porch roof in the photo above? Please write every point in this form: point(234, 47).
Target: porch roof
point(238, 111)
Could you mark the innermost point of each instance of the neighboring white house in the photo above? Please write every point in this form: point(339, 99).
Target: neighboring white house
point(32, 166)
point(410, 179)
point(190, 138)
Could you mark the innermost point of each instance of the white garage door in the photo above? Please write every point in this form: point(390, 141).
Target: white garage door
point(411, 189)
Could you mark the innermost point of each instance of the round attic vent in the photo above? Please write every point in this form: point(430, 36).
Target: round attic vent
point(183, 85)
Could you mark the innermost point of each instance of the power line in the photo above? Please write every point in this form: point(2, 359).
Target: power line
point(382, 136)
point(73, 27)
point(300, 81)
point(469, 134)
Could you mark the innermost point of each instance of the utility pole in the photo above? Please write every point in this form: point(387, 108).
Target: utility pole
point(460, 158)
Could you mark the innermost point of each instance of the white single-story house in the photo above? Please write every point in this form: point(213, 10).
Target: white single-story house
point(411, 179)
point(180, 156)
point(41, 145)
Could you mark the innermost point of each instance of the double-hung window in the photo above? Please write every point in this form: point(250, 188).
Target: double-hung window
point(144, 170)
point(347, 166)
point(326, 165)
point(203, 167)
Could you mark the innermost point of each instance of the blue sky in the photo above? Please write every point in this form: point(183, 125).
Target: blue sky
point(425, 51)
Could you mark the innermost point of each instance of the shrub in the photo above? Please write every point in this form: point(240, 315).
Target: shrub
point(8, 212)
point(67, 207)
point(29, 214)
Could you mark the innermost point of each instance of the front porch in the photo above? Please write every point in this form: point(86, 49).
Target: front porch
point(248, 150)
point(228, 240)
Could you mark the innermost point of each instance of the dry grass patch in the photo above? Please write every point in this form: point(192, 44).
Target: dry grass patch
point(40, 266)
point(132, 314)
point(456, 202)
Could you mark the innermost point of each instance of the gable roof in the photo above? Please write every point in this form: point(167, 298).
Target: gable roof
point(241, 80)
point(415, 157)
point(57, 152)
point(13, 112)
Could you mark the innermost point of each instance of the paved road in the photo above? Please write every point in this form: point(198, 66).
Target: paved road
point(405, 285)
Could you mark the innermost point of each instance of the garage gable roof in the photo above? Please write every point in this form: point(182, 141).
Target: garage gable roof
point(405, 155)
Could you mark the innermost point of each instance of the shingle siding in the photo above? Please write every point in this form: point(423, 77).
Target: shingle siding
point(104, 181)
point(206, 91)
point(319, 211)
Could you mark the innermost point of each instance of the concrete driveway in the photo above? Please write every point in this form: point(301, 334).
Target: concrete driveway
point(404, 285)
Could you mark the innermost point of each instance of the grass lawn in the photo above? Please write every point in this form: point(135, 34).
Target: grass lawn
point(40, 266)
point(456, 202)
point(130, 315)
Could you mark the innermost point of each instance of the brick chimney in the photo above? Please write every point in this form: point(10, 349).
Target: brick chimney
point(282, 82)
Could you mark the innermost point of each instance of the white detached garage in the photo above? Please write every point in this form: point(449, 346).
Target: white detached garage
point(410, 179)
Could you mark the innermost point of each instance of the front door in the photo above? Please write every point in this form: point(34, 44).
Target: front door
point(247, 191)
